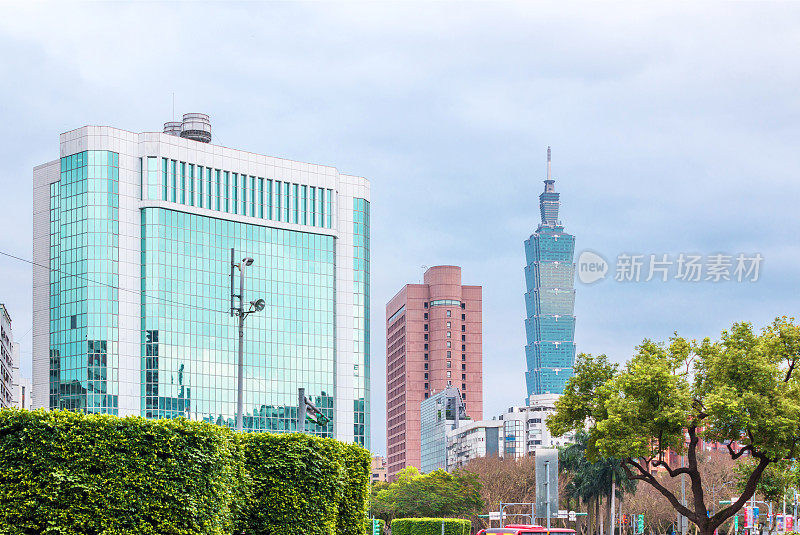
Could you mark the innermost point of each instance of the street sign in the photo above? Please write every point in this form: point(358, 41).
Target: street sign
point(494, 515)
point(572, 516)
point(562, 513)
point(546, 483)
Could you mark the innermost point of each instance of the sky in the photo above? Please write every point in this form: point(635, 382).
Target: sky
point(674, 127)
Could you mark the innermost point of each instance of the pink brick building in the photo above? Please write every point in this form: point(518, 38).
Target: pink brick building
point(433, 337)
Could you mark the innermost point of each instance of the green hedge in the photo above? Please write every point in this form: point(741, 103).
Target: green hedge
point(354, 504)
point(430, 526)
point(70, 473)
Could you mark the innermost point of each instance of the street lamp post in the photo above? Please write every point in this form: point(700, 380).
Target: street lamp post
point(239, 311)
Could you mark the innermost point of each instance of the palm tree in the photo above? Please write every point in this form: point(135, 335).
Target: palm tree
point(591, 482)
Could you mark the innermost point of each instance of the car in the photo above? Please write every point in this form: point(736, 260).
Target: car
point(526, 529)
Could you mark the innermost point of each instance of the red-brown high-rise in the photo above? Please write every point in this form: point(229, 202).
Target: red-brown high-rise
point(433, 337)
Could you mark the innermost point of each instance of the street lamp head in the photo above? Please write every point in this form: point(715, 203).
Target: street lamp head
point(247, 261)
point(258, 305)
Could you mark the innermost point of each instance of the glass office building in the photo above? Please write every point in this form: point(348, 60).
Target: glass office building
point(132, 241)
point(550, 298)
point(439, 413)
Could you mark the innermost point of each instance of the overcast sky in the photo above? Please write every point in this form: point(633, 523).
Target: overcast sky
point(675, 128)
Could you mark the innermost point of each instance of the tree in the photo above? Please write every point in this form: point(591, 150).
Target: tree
point(438, 494)
point(504, 479)
point(742, 391)
point(590, 482)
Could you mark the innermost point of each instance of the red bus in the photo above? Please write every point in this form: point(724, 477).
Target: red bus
point(526, 529)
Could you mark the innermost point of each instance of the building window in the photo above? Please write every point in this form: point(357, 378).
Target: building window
point(426, 395)
point(426, 365)
point(426, 304)
point(463, 347)
point(426, 376)
point(463, 305)
point(425, 316)
point(448, 334)
point(448, 354)
point(463, 317)
point(73, 322)
point(426, 386)
point(463, 356)
point(448, 324)
point(426, 356)
point(463, 386)
point(426, 347)
point(448, 314)
point(448, 343)
point(448, 375)
point(463, 337)
point(426, 336)
point(449, 364)
point(463, 328)
point(426, 326)
point(463, 376)
point(463, 366)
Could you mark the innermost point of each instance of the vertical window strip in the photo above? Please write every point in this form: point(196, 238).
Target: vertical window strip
point(235, 191)
point(269, 198)
point(219, 187)
point(210, 196)
point(152, 178)
point(261, 198)
point(304, 200)
point(191, 184)
point(174, 173)
point(200, 196)
point(165, 164)
point(253, 195)
point(183, 182)
point(295, 189)
point(313, 203)
point(322, 207)
point(329, 208)
point(278, 204)
point(226, 191)
point(286, 201)
point(244, 194)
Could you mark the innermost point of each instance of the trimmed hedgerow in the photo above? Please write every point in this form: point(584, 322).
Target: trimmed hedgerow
point(355, 500)
point(71, 473)
point(64, 472)
point(430, 526)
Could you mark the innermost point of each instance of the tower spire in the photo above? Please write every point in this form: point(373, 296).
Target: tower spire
point(548, 163)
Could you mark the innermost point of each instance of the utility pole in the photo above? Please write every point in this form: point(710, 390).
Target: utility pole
point(241, 314)
point(611, 528)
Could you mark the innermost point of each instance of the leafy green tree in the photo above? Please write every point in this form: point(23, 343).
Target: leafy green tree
point(742, 390)
point(590, 482)
point(438, 494)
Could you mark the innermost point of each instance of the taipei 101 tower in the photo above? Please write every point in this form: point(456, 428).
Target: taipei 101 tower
point(550, 298)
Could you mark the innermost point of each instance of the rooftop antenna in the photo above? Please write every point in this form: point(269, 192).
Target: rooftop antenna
point(548, 163)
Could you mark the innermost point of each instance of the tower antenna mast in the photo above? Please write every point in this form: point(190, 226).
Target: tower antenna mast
point(548, 163)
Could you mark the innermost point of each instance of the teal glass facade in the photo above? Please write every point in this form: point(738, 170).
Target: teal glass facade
point(549, 300)
point(361, 409)
point(84, 299)
point(189, 354)
point(133, 317)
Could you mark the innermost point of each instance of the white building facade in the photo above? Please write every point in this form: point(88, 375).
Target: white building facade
point(517, 433)
point(132, 281)
point(9, 359)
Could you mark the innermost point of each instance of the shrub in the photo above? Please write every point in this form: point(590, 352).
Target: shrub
point(65, 472)
point(297, 484)
point(430, 526)
point(71, 473)
point(355, 499)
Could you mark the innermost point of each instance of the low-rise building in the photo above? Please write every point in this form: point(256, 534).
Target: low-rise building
point(518, 432)
point(442, 411)
point(7, 361)
point(378, 469)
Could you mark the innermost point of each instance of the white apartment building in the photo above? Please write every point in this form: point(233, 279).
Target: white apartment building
point(9, 359)
point(518, 432)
